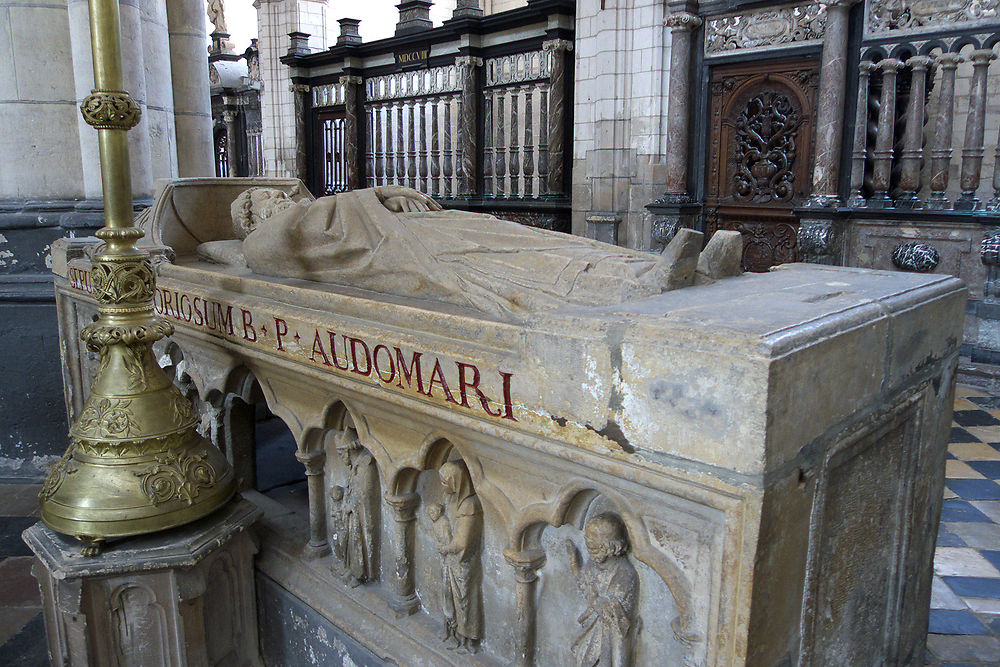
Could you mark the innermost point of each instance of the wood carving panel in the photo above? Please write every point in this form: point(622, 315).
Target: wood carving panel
point(760, 155)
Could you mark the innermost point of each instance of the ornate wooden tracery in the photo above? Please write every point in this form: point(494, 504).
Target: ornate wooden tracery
point(760, 155)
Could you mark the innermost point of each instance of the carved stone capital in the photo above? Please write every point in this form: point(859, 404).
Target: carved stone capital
point(404, 504)
point(351, 80)
point(228, 116)
point(525, 563)
point(865, 68)
point(919, 63)
point(110, 110)
point(982, 57)
point(468, 61)
point(299, 87)
point(313, 461)
point(890, 65)
point(949, 60)
point(557, 45)
point(682, 21)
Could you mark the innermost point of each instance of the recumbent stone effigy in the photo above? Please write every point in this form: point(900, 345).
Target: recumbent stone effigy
point(747, 470)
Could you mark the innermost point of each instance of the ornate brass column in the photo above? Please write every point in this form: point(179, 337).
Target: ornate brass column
point(135, 463)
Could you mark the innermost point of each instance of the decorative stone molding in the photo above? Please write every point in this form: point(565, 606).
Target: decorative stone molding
point(887, 16)
point(916, 257)
point(110, 110)
point(299, 87)
point(765, 28)
point(682, 21)
point(817, 240)
point(557, 45)
point(351, 79)
point(468, 61)
point(989, 254)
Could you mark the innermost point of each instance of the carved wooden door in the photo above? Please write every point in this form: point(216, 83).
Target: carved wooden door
point(760, 155)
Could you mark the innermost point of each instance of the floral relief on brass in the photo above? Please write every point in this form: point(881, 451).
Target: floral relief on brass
point(57, 475)
point(177, 475)
point(108, 418)
point(110, 110)
point(126, 282)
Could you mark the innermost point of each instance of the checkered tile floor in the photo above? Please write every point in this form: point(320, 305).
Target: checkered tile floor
point(965, 604)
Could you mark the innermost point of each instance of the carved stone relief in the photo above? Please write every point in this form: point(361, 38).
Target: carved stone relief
point(765, 28)
point(915, 15)
point(355, 511)
point(610, 585)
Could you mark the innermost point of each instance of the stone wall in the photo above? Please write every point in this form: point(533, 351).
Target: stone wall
point(620, 104)
point(275, 19)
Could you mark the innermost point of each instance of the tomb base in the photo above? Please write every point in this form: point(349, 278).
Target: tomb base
point(180, 597)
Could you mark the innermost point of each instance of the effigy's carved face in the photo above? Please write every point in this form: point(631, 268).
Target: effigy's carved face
point(254, 206)
point(605, 537)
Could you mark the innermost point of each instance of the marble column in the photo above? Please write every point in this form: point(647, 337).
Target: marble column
point(884, 133)
point(830, 106)
point(232, 158)
point(994, 203)
point(975, 132)
point(860, 154)
point(405, 600)
point(556, 113)
point(192, 99)
point(300, 96)
point(913, 153)
point(468, 169)
point(526, 565)
point(352, 84)
point(314, 463)
point(681, 25)
point(941, 147)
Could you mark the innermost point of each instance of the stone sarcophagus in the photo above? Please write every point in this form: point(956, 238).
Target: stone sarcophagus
point(743, 472)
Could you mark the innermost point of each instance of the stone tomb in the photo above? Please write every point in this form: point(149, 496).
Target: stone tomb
point(746, 472)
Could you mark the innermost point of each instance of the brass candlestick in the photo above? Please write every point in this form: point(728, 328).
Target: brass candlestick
point(135, 463)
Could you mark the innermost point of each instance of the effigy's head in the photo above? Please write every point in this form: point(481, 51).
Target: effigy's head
point(605, 537)
point(455, 479)
point(254, 206)
point(347, 442)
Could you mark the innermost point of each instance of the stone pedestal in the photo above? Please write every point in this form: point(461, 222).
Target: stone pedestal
point(181, 597)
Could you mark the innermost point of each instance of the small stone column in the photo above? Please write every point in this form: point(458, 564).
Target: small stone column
point(830, 106)
point(994, 204)
point(913, 153)
point(468, 169)
point(175, 597)
point(315, 463)
point(975, 132)
point(352, 85)
point(405, 600)
point(232, 159)
point(941, 148)
point(681, 25)
point(300, 96)
point(526, 565)
point(884, 133)
point(557, 113)
point(860, 154)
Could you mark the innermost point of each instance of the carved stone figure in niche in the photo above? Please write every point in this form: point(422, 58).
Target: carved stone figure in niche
point(610, 584)
point(461, 569)
point(395, 240)
point(356, 511)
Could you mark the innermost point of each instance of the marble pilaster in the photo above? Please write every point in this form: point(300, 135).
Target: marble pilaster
point(468, 170)
point(301, 99)
point(830, 106)
point(884, 133)
point(941, 150)
point(232, 159)
point(681, 25)
point(913, 154)
point(860, 154)
point(352, 86)
point(556, 114)
point(975, 132)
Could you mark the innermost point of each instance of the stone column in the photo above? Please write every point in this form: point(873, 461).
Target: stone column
point(913, 152)
point(975, 132)
point(315, 463)
point(941, 148)
point(229, 117)
point(884, 133)
point(192, 100)
point(526, 565)
point(860, 154)
point(300, 95)
point(681, 25)
point(830, 106)
point(468, 169)
point(994, 203)
point(557, 113)
point(352, 129)
point(405, 600)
